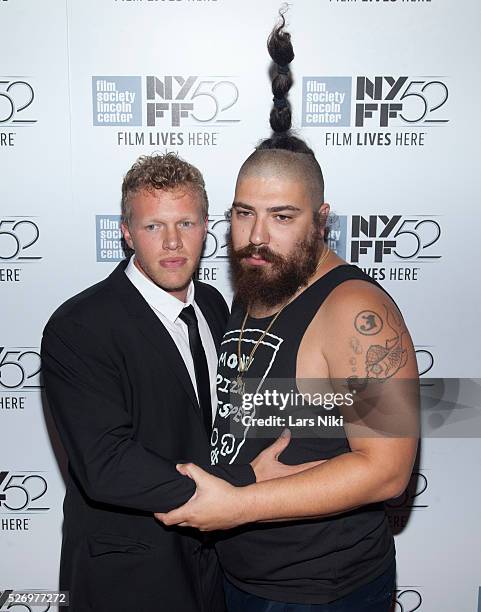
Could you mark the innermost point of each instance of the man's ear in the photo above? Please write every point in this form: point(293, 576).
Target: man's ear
point(206, 226)
point(324, 210)
point(126, 234)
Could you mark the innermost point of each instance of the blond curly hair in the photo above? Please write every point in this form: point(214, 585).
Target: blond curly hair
point(166, 172)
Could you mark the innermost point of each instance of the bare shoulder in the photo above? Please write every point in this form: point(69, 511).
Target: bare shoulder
point(364, 333)
point(357, 297)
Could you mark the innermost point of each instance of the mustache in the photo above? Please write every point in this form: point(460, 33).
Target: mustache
point(262, 251)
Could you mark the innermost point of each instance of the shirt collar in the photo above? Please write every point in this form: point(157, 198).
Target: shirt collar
point(157, 298)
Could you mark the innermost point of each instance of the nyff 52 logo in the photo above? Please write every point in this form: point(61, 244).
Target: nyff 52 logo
point(216, 241)
point(407, 599)
point(18, 239)
point(22, 491)
point(19, 368)
point(16, 99)
point(413, 496)
point(386, 99)
point(395, 237)
point(201, 99)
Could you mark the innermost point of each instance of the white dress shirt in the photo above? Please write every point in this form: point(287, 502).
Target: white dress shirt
point(168, 308)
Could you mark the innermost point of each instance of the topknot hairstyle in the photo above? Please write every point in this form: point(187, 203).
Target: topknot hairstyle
point(290, 154)
point(281, 51)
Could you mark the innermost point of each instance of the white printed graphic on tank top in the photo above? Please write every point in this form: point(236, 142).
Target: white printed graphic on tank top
point(223, 442)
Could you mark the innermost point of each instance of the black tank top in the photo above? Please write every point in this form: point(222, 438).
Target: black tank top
point(307, 562)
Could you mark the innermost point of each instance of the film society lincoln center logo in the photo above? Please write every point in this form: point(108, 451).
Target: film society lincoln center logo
point(117, 101)
point(326, 101)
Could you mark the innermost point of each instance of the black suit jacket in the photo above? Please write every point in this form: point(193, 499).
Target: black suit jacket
point(126, 412)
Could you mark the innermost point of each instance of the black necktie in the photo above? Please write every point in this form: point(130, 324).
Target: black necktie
point(200, 366)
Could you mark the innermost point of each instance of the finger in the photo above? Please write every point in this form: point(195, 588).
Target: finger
point(175, 517)
point(191, 470)
point(183, 469)
point(198, 475)
point(282, 442)
point(161, 516)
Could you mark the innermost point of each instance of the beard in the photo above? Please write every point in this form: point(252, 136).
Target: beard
point(286, 274)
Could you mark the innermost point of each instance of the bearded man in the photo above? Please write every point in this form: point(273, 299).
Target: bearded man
point(302, 317)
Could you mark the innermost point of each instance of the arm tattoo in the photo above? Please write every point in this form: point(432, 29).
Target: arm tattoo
point(355, 345)
point(353, 381)
point(382, 362)
point(357, 350)
point(368, 323)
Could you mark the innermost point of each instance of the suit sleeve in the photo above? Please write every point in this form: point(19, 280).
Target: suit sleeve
point(85, 396)
point(238, 474)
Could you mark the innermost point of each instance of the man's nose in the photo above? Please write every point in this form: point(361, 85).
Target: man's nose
point(172, 239)
point(259, 234)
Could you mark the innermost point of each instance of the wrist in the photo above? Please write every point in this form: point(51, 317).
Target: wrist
point(246, 504)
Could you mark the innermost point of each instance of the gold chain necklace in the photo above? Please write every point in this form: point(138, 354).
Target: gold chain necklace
point(242, 369)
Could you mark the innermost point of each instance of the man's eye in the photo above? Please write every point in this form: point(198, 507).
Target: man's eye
point(186, 223)
point(283, 218)
point(243, 213)
point(152, 227)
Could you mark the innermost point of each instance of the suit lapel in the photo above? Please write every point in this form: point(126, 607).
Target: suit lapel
point(211, 316)
point(152, 329)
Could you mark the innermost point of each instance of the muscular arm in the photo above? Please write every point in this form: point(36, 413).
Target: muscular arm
point(369, 352)
point(367, 345)
point(368, 349)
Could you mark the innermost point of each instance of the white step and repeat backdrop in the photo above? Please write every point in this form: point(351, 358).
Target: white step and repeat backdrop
point(386, 93)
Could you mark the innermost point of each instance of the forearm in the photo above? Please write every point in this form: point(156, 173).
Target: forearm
point(338, 485)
